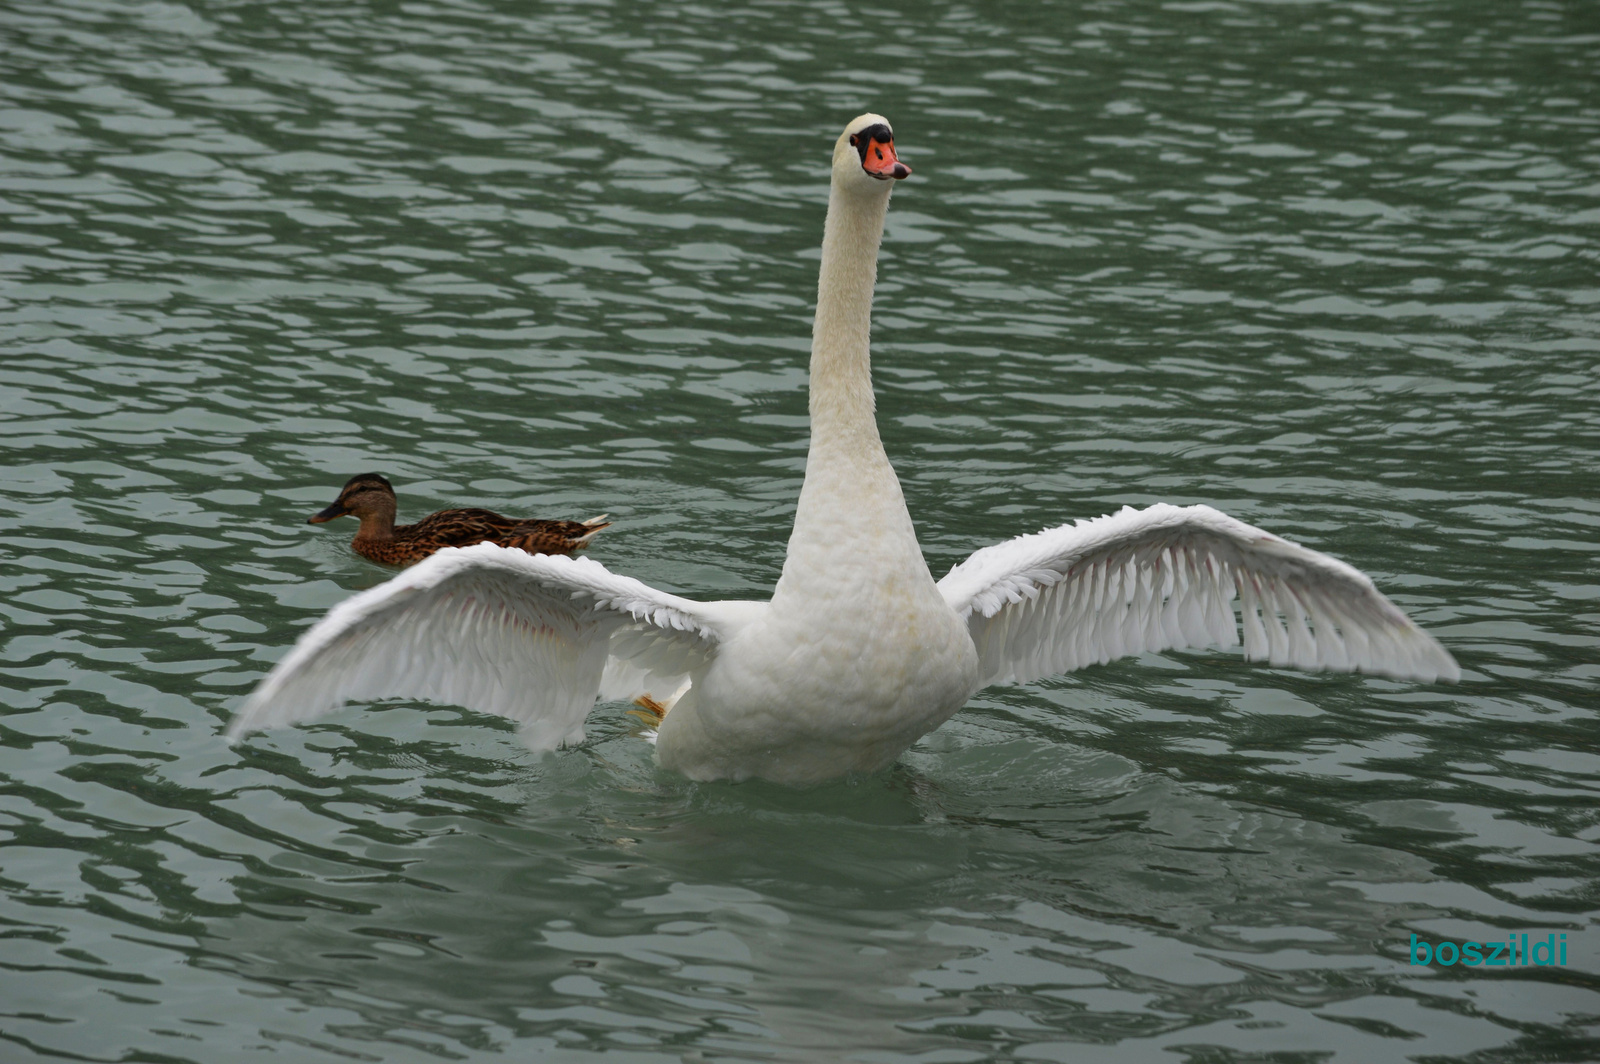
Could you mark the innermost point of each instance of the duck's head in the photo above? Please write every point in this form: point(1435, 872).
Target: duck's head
point(366, 493)
point(863, 156)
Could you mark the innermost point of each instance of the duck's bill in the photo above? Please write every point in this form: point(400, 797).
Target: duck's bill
point(327, 515)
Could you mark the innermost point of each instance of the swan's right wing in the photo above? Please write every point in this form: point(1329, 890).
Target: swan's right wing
point(523, 636)
point(1166, 577)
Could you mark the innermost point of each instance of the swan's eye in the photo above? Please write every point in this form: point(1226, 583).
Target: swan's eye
point(871, 137)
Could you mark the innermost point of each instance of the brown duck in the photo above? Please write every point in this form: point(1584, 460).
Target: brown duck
point(370, 497)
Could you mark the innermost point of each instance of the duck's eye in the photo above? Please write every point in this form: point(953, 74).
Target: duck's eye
point(853, 139)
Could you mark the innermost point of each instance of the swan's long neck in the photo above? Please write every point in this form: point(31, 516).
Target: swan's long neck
point(851, 526)
point(842, 417)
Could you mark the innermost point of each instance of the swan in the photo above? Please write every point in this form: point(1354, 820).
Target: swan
point(860, 651)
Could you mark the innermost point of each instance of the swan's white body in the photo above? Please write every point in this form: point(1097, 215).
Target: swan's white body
point(859, 652)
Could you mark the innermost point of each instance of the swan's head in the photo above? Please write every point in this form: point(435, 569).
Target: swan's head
point(361, 495)
point(864, 155)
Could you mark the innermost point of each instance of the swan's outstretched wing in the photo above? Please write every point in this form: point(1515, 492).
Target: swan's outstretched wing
point(1166, 578)
point(524, 636)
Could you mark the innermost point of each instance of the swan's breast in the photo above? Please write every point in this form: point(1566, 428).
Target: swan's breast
point(844, 683)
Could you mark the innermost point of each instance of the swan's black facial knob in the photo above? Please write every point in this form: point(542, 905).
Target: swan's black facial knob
point(875, 145)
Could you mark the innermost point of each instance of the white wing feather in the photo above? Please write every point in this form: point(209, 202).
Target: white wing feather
point(1165, 578)
point(523, 636)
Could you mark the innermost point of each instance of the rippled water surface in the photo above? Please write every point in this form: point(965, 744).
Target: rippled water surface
point(1330, 267)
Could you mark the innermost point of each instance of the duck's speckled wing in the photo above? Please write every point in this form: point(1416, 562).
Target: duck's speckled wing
point(462, 528)
point(519, 635)
point(458, 528)
point(1166, 578)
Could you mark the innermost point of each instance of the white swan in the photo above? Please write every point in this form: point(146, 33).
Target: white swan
point(859, 652)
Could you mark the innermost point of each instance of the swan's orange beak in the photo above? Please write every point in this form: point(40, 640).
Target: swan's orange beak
point(879, 161)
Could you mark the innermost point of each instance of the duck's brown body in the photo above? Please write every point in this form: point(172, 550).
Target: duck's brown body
point(370, 497)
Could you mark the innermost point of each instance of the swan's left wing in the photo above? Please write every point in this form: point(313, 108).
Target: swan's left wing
point(523, 636)
point(1165, 578)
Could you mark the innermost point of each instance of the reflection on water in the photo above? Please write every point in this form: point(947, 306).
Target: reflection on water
point(1327, 267)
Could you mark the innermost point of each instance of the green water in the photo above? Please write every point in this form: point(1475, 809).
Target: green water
point(1330, 267)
